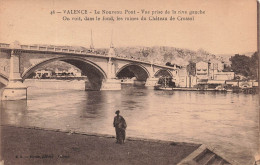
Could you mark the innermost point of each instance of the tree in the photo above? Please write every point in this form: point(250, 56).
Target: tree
point(240, 64)
point(244, 65)
point(191, 68)
point(227, 68)
point(254, 66)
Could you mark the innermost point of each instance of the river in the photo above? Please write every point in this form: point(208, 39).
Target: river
point(227, 122)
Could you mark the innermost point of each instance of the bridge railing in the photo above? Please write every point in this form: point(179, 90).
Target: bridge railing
point(65, 50)
point(54, 49)
point(49, 48)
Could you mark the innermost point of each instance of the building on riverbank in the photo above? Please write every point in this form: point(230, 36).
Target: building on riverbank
point(45, 73)
point(210, 72)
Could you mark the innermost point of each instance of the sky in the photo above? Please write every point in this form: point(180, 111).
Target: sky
point(227, 27)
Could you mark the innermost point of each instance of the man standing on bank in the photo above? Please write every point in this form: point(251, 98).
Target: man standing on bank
point(120, 126)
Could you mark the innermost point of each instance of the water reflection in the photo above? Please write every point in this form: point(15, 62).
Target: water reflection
point(227, 122)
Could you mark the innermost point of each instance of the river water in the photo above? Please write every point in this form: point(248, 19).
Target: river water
point(227, 122)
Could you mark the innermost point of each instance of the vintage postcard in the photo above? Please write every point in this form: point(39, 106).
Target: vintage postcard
point(129, 82)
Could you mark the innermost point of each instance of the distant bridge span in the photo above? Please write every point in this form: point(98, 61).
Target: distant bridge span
point(18, 61)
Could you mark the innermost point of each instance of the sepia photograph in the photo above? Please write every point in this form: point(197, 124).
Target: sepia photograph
point(130, 82)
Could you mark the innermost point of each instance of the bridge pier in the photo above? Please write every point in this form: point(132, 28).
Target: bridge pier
point(139, 83)
point(107, 84)
point(111, 84)
point(15, 89)
point(151, 82)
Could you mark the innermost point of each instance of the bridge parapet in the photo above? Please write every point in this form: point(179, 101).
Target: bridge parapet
point(50, 48)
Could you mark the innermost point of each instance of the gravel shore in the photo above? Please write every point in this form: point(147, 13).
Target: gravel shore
point(26, 146)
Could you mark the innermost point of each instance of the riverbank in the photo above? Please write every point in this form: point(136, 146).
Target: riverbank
point(234, 90)
point(35, 146)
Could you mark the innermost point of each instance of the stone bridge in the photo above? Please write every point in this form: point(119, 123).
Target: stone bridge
point(18, 61)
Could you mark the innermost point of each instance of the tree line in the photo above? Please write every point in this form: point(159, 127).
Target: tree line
point(244, 65)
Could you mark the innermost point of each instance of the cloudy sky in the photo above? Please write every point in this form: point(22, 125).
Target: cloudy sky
point(227, 27)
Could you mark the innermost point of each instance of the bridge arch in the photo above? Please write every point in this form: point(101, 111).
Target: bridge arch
point(163, 72)
point(140, 72)
point(95, 73)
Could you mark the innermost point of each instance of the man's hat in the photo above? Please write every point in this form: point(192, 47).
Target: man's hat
point(117, 112)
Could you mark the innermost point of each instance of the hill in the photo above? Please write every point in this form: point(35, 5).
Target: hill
point(162, 54)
